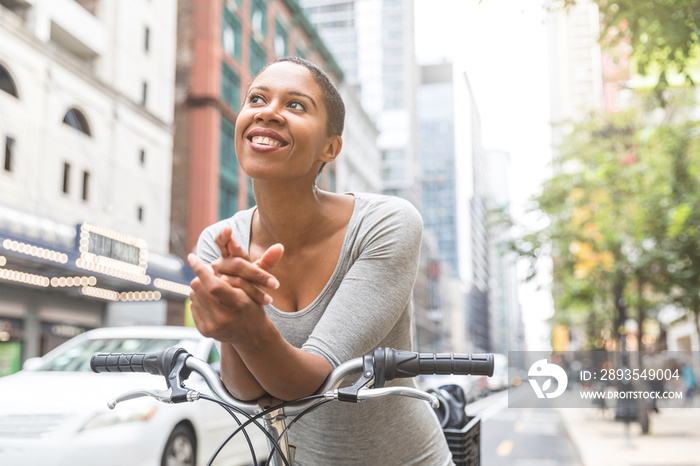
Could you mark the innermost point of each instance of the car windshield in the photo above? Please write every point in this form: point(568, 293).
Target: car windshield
point(77, 358)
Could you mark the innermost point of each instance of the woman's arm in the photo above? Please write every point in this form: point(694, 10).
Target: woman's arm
point(228, 314)
point(239, 381)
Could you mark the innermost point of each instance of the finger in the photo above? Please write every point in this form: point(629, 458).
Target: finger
point(270, 257)
point(255, 293)
point(210, 288)
point(221, 240)
point(205, 273)
point(235, 250)
point(239, 267)
point(228, 245)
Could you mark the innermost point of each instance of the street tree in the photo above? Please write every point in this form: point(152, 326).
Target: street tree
point(664, 35)
point(622, 213)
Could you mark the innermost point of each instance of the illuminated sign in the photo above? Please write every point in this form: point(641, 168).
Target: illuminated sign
point(114, 249)
point(112, 253)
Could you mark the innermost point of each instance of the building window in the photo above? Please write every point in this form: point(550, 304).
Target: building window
point(66, 177)
point(142, 157)
point(139, 214)
point(258, 17)
point(300, 50)
point(394, 173)
point(257, 57)
point(146, 39)
point(144, 94)
point(9, 152)
point(228, 200)
point(228, 148)
point(7, 84)
point(228, 183)
point(393, 155)
point(281, 49)
point(231, 35)
point(230, 86)
point(76, 119)
point(86, 184)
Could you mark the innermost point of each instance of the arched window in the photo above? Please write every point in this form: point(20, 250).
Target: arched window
point(77, 120)
point(6, 82)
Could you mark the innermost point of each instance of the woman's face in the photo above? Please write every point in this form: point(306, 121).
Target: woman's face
point(281, 129)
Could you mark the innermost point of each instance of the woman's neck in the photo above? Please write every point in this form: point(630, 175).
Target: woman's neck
point(289, 215)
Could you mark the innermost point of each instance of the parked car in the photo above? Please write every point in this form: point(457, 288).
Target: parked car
point(54, 412)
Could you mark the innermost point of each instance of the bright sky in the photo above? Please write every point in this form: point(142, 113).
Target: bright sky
point(502, 45)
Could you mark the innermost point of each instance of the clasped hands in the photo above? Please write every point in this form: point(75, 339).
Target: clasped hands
point(227, 296)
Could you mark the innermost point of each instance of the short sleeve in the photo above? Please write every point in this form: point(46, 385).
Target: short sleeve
point(207, 250)
point(377, 287)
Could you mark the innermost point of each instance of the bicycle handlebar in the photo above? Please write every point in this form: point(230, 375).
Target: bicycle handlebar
point(176, 364)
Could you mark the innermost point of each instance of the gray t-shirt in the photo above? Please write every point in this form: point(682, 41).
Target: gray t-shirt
point(365, 304)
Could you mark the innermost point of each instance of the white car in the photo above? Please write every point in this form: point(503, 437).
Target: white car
point(54, 412)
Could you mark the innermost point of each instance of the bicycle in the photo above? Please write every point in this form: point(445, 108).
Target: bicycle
point(375, 368)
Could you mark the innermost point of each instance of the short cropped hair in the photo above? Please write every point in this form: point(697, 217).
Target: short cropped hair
point(331, 97)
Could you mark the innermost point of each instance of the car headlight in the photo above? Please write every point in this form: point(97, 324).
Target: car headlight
point(121, 415)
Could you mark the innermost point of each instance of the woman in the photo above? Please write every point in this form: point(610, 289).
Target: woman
point(308, 279)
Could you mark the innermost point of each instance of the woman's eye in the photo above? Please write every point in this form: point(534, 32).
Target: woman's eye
point(254, 99)
point(297, 106)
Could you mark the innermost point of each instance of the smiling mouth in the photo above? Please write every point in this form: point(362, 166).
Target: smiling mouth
point(265, 141)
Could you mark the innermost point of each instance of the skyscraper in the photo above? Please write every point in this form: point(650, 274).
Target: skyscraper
point(455, 188)
point(374, 45)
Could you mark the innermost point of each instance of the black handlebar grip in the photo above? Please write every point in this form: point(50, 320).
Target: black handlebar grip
point(125, 362)
point(408, 364)
point(158, 363)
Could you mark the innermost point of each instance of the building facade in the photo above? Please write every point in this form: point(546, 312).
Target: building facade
point(575, 65)
point(86, 112)
point(455, 189)
point(507, 331)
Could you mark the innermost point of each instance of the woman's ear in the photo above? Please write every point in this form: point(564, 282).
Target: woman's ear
point(333, 147)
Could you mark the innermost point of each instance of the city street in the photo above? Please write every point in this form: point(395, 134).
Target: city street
point(522, 437)
point(583, 437)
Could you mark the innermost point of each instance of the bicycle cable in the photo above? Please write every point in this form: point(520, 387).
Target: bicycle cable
point(253, 419)
point(293, 421)
point(242, 427)
point(245, 433)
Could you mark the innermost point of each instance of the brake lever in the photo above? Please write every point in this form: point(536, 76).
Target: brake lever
point(175, 380)
point(160, 395)
point(371, 393)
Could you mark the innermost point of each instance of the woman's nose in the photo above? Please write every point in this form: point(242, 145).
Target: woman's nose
point(270, 112)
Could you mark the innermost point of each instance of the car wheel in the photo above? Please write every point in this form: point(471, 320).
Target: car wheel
point(181, 447)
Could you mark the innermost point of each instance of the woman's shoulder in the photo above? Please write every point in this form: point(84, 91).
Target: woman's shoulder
point(384, 214)
point(239, 223)
point(389, 207)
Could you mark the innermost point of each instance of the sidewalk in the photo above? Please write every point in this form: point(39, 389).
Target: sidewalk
point(673, 440)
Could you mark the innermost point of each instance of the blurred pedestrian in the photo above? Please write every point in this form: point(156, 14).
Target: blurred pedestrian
point(688, 383)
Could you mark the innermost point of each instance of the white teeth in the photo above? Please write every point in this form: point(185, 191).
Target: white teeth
point(265, 141)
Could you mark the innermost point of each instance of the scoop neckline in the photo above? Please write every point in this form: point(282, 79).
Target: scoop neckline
point(336, 270)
